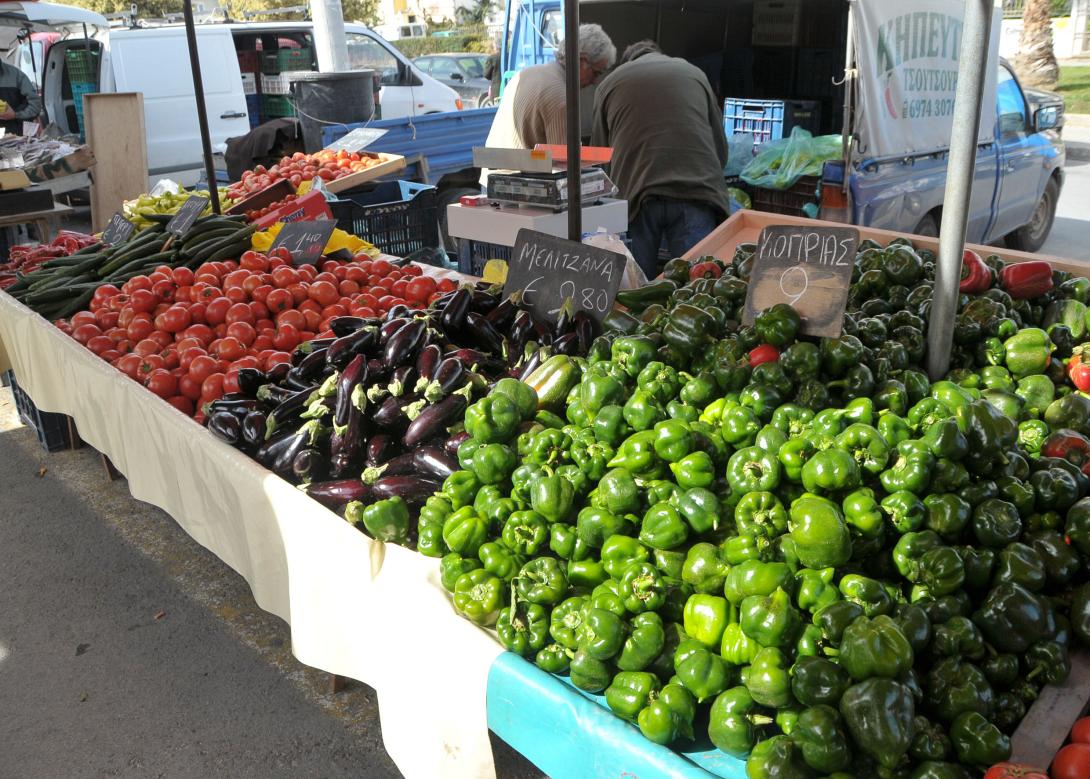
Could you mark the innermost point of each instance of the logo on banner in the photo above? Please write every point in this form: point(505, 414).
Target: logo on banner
point(916, 58)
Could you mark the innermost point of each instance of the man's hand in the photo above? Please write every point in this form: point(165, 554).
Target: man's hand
point(7, 115)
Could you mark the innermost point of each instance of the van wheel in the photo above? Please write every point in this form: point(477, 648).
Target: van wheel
point(446, 198)
point(928, 226)
point(1032, 236)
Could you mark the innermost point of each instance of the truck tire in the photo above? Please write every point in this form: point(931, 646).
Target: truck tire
point(1032, 236)
point(446, 198)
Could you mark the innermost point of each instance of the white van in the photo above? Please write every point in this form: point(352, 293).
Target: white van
point(155, 61)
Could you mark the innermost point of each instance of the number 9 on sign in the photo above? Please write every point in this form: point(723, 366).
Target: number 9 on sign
point(793, 283)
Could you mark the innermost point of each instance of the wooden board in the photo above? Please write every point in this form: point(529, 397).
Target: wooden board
point(746, 226)
point(390, 163)
point(115, 132)
point(1046, 725)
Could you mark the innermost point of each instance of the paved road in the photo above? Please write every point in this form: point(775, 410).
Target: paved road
point(127, 650)
point(1070, 236)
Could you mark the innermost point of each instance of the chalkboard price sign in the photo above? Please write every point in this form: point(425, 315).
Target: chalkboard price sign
point(808, 267)
point(305, 240)
point(549, 270)
point(185, 217)
point(118, 230)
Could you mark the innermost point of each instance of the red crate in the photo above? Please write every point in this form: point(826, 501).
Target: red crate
point(310, 206)
point(249, 62)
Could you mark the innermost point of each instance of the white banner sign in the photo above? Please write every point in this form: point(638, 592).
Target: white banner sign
point(907, 55)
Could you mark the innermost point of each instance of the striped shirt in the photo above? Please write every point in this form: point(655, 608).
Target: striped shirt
point(533, 110)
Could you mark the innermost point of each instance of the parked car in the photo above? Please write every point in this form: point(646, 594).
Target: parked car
point(463, 72)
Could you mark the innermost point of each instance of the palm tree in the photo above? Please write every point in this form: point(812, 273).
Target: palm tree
point(477, 13)
point(1036, 63)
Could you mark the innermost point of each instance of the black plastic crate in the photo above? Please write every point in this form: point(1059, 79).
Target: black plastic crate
point(398, 217)
point(789, 201)
point(473, 255)
point(52, 429)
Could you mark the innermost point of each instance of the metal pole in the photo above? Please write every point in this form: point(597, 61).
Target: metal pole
point(846, 129)
point(202, 113)
point(976, 34)
point(571, 77)
point(329, 37)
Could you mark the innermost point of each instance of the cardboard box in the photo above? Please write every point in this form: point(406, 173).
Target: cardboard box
point(76, 162)
point(13, 179)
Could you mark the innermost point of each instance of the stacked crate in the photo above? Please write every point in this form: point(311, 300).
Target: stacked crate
point(275, 65)
point(249, 63)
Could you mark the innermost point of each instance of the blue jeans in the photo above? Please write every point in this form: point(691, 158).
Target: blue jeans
point(680, 223)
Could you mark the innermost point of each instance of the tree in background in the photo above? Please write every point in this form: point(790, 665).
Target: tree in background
point(365, 11)
point(477, 13)
point(1036, 63)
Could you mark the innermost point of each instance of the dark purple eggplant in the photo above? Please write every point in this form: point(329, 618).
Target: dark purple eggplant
point(483, 333)
point(434, 419)
point(352, 377)
point(434, 462)
point(450, 446)
point(542, 334)
point(585, 330)
point(273, 443)
point(474, 358)
point(225, 426)
point(274, 393)
point(376, 369)
point(414, 490)
point(311, 366)
point(400, 311)
point(290, 408)
point(304, 438)
point(388, 330)
point(346, 325)
point(521, 328)
point(403, 344)
point(297, 383)
point(381, 448)
point(238, 405)
point(486, 286)
point(307, 348)
point(567, 344)
point(483, 301)
point(539, 357)
point(346, 444)
point(428, 360)
point(342, 350)
point(454, 313)
point(308, 465)
point(278, 372)
point(253, 429)
point(391, 413)
point(449, 376)
point(334, 494)
point(402, 381)
point(250, 380)
point(565, 320)
point(441, 302)
point(402, 465)
point(503, 315)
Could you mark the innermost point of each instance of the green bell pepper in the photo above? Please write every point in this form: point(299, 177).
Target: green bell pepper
point(663, 527)
point(815, 589)
point(600, 634)
point(643, 587)
point(1019, 563)
point(862, 513)
point(735, 723)
point(465, 531)
point(1012, 618)
point(523, 628)
point(768, 678)
point(821, 739)
point(552, 496)
point(947, 514)
point(669, 716)
point(875, 647)
point(478, 596)
point(588, 673)
point(869, 593)
point(386, 520)
point(492, 419)
point(500, 561)
point(1028, 352)
point(705, 619)
point(817, 680)
point(704, 570)
point(830, 470)
point(879, 715)
point(700, 671)
point(525, 532)
point(694, 470)
point(645, 641)
point(905, 510)
point(835, 618)
point(630, 692)
point(821, 537)
point(977, 741)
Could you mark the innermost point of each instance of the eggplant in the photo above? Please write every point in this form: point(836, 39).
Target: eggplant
point(386, 332)
point(449, 376)
point(542, 334)
point(565, 320)
point(474, 358)
point(345, 348)
point(522, 327)
point(534, 362)
point(376, 369)
point(502, 315)
point(310, 367)
point(345, 444)
point(308, 465)
point(482, 331)
point(451, 445)
point(402, 381)
point(454, 312)
point(434, 462)
point(403, 344)
point(307, 348)
point(436, 418)
point(391, 413)
point(278, 372)
point(402, 465)
point(441, 302)
point(347, 325)
point(414, 490)
point(567, 344)
point(273, 443)
point(225, 426)
point(380, 448)
point(400, 311)
point(273, 393)
point(253, 429)
point(334, 494)
point(352, 377)
point(483, 301)
point(295, 383)
point(428, 360)
point(289, 409)
point(250, 381)
point(584, 331)
point(304, 438)
point(238, 406)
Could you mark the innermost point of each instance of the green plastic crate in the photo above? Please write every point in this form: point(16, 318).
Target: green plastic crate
point(283, 60)
point(82, 66)
point(277, 105)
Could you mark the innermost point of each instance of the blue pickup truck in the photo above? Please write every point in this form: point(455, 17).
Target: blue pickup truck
point(903, 58)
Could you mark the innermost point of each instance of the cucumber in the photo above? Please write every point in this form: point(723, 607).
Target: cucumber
point(191, 243)
point(228, 252)
point(78, 304)
point(140, 262)
point(60, 293)
point(207, 250)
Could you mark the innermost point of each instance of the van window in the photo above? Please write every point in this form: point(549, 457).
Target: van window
point(365, 53)
point(1012, 104)
point(552, 25)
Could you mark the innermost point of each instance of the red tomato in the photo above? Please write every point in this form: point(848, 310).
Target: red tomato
point(262, 342)
point(129, 365)
point(366, 313)
point(170, 357)
point(107, 319)
point(135, 283)
point(164, 290)
point(1014, 771)
point(259, 311)
point(1080, 733)
point(230, 381)
point(240, 312)
point(143, 301)
point(386, 302)
point(276, 358)
point(252, 260)
point(244, 332)
point(85, 333)
point(1072, 762)
point(387, 283)
point(183, 276)
point(189, 387)
point(229, 349)
point(236, 295)
point(411, 270)
point(762, 354)
point(286, 338)
point(174, 320)
point(139, 328)
point(291, 317)
point(189, 342)
point(446, 285)
point(162, 383)
point(182, 403)
point(118, 302)
point(284, 277)
point(248, 361)
point(83, 318)
point(216, 310)
point(202, 367)
point(312, 319)
point(335, 310)
point(161, 338)
point(148, 363)
point(381, 267)
point(299, 292)
point(367, 299)
point(212, 387)
point(279, 300)
point(399, 288)
point(99, 344)
point(348, 288)
point(197, 313)
point(420, 288)
point(202, 333)
point(261, 292)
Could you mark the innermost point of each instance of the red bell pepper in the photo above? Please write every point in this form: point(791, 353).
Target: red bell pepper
point(705, 270)
point(1071, 446)
point(1078, 371)
point(763, 353)
point(976, 276)
point(1024, 280)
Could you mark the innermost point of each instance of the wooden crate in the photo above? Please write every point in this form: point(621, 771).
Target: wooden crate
point(1048, 721)
point(746, 226)
point(390, 163)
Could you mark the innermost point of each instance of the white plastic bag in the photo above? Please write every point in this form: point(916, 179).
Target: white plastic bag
point(633, 275)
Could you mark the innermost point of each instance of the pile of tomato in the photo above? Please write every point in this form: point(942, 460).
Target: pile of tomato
point(299, 167)
point(257, 213)
point(185, 334)
point(1071, 762)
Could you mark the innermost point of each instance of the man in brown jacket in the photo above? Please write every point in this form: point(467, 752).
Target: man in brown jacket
point(669, 149)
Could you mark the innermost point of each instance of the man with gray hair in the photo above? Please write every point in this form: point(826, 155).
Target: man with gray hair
point(533, 109)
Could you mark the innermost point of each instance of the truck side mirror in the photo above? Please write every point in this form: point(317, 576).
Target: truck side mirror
point(457, 77)
point(1046, 118)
